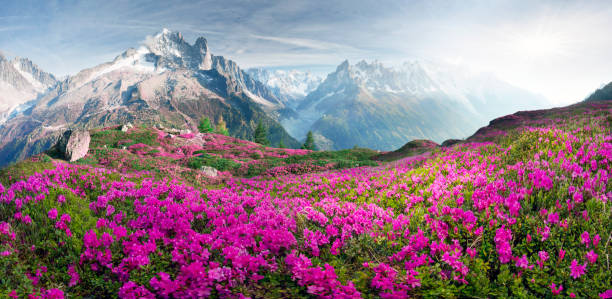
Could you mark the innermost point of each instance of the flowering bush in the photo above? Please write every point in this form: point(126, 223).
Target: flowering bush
point(528, 216)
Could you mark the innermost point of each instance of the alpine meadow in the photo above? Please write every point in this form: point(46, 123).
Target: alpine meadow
point(344, 149)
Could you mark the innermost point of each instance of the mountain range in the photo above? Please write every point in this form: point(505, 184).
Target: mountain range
point(165, 81)
point(168, 81)
point(372, 105)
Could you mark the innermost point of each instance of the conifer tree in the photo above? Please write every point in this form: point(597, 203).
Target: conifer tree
point(261, 135)
point(205, 126)
point(281, 144)
point(222, 127)
point(309, 143)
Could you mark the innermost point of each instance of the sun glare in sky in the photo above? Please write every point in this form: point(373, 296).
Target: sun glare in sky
point(540, 44)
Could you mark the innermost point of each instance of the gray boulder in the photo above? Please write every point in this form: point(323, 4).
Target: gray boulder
point(74, 144)
point(209, 171)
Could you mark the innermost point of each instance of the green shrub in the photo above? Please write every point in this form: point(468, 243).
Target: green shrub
point(212, 161)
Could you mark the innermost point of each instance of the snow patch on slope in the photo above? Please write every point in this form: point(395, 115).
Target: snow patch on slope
point(137, 63)
point(38, 86)
point(258, 99)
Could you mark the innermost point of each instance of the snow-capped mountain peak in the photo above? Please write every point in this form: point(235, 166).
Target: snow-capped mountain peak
point(174, 52)
point(166, 50)
point(167, 43)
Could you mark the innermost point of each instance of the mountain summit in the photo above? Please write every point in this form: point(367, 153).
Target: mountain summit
point(169, 49)
point(165, 81)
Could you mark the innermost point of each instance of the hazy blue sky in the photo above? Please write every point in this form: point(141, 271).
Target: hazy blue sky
point(561, 49)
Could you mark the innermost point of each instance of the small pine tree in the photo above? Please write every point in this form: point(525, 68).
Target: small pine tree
point(221, 127)
point(205, 126)
point(281, 144)
point(261, 135)
point(309, 143)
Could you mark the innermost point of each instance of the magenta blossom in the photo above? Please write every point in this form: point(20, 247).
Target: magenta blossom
point(52, 213)
point(606, 295)
point(556, 290)
point(591, 256)
point(576, 269)
point(585, 239)
point(596, 240)
point(561, 254)
point(523, 263)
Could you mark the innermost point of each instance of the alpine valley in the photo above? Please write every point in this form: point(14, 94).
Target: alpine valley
point(371, 105)
point(169, 82)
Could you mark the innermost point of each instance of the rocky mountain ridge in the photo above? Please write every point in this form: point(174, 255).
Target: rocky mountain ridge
point(165, 81)
point(373, 105)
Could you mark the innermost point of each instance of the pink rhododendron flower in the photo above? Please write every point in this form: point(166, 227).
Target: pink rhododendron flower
point(596, 240)
point(52, 213)
point(545, 233)
point(591, 256)
point(556, 290)
point(606, 295)
point(502, 242)
point(576, 269)
point(53, 294)
point(561, 254)
point(522, 262)
point(553, 218)
point(74, 276)
point(585, 239)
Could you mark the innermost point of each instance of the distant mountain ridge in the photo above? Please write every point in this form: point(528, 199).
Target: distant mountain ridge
point(165, 81)
point(291, 86)
point(372, 105)
point(602, 94)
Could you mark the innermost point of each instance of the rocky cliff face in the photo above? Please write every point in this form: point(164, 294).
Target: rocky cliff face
point(165, 81)
point(21, 82)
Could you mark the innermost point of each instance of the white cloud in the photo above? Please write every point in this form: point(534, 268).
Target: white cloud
point(303, 42)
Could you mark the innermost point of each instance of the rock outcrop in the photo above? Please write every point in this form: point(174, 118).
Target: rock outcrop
point(209, 171)
point(74, 144)
point(126, 127)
